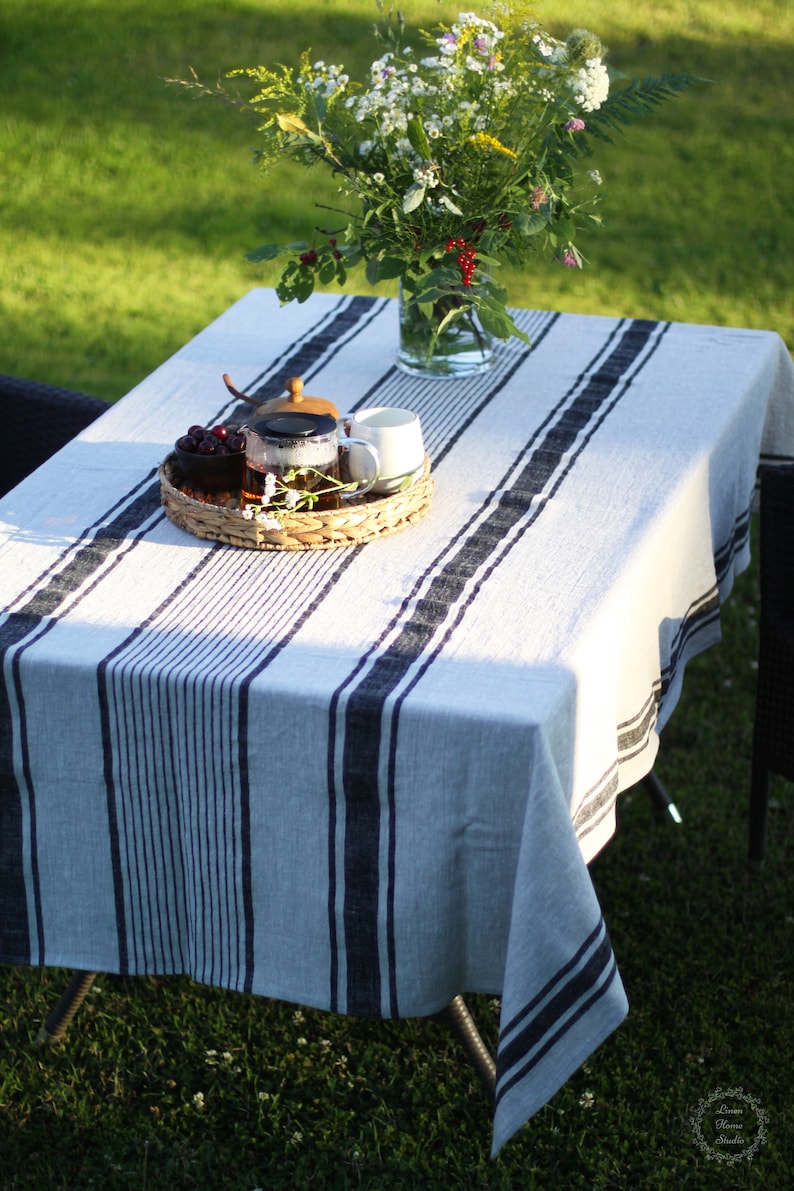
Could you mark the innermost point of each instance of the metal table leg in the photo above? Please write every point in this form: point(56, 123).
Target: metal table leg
point(58, 1020)
point(457, 1016)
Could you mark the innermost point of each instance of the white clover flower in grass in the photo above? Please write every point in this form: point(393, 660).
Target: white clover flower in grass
point(198, 1101)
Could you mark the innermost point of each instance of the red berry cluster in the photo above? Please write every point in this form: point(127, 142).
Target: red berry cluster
point(310, 257)
point(466, 258)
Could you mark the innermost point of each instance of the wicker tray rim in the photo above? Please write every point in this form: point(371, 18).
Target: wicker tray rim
point(327, 529)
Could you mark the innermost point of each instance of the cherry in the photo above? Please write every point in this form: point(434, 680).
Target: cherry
point(206, 446)
point(236, 442)
point(187, 443)
point(197, 432)
point(220, 432)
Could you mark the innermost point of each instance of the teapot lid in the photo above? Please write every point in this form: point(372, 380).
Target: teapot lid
point(282, 424)
point(298, 400)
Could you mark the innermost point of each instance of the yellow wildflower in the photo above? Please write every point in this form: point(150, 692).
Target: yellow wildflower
point(484, 141)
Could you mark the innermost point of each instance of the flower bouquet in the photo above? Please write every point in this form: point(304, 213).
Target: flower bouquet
point(452, 161)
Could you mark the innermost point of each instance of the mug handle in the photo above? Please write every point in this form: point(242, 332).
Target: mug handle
point(364, 485)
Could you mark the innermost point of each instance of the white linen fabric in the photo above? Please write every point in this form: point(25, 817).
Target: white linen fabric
point(369, 779)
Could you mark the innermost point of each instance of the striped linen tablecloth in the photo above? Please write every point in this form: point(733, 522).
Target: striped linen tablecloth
point(368, 779)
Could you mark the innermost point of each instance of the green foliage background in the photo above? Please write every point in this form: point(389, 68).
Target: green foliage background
point(125, 212)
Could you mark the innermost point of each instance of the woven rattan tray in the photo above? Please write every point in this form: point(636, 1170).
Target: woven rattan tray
point(357, 522)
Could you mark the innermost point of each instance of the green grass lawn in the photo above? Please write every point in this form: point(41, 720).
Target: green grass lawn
point(127, 206)
point(126, 210)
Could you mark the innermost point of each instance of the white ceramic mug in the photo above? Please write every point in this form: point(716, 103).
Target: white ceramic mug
point(396, 434)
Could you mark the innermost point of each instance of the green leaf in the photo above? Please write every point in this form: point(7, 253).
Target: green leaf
point(482, 259)
point(418, 138)
point(447, 202)
point(327, 271)
point(295, 284)
point(414, 197)
point(443, 275)
point(389, 267)
point(266, 252)
point(289, 122)
point(497, 322)
point(565, 229)
point(529, 225)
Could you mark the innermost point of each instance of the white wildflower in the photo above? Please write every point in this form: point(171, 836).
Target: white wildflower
point(591, 85)
point(425, 176)
point(198, 1101)
point(594, 176)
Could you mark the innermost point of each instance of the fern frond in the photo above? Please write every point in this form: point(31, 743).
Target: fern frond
point(637, 98)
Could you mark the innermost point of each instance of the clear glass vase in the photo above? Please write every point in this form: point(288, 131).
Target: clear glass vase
point(461, 349)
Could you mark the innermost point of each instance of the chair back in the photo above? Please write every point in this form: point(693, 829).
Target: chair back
point(39, 419)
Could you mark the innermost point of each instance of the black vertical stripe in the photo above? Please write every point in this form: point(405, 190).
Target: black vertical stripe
point(57, 583)
point(366, 702)
point(318, 346)
point(17, 633)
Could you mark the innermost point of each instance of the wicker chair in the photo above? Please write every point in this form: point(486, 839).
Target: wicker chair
point(773, 734)
point(40, 419)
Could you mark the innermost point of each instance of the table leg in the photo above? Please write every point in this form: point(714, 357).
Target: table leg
point(457, 1016)
point(661, 800)
point(58, 1020)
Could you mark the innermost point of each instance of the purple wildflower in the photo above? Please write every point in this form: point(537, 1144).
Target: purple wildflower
point(569, 259)
point(575, 125)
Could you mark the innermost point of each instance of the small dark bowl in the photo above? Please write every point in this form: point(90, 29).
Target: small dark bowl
point(213, 473)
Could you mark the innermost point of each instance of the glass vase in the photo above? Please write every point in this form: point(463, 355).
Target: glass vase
point(462, 348)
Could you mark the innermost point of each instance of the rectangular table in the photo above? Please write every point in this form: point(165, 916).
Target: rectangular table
point(369, 779)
